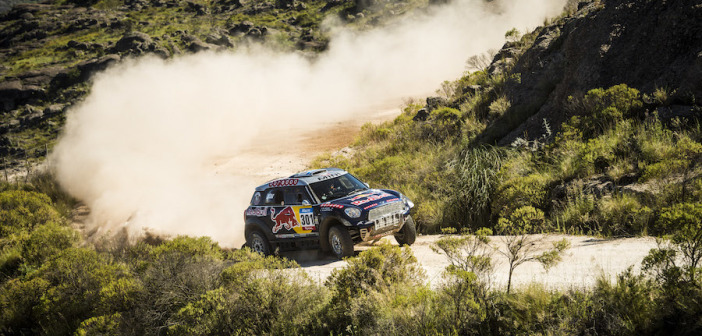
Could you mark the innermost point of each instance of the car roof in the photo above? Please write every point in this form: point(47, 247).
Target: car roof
point(303, 178)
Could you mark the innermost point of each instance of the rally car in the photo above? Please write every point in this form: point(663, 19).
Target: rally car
point(328, 209)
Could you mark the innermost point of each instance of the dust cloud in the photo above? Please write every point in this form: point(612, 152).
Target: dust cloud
point(139, 150)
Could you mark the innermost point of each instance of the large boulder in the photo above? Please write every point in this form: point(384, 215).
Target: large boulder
point(13, 93)
point(134, 42)
point(643, 44)
point(90, 67)
point(194, 44)
point(220, 40)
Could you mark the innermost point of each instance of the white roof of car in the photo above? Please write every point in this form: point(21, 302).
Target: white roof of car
point(303, 178)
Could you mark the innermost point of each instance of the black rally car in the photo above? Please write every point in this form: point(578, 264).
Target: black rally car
point(328, 209)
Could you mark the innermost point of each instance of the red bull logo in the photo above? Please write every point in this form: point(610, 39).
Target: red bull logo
point(284, 219)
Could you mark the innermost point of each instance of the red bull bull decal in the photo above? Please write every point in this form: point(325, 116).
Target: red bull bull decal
point(297, 218)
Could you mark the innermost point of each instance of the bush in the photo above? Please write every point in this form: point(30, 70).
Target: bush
point(47, 241)
point(578, 215)
point(256, 297)
point(75, 277)
point(498, 107)
point(522, 191)
point(625, 307)
point(374, 270)
point(624, 215)
point(602, 109)
point(22, 211)
point(173, 274)
point(684, 222)
point(443, 124)
point(18, 299)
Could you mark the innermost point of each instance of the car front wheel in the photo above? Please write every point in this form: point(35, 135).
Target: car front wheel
point(257, 242)
point(408, 234)
point(340, 242)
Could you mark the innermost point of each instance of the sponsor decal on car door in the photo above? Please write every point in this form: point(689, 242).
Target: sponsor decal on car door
point(293, 221)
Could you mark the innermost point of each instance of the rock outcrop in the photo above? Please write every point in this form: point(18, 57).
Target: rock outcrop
point(644, 44)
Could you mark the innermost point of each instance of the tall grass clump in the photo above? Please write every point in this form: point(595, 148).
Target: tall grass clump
point(475, 180)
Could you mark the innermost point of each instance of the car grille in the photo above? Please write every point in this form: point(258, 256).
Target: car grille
point(385, 210)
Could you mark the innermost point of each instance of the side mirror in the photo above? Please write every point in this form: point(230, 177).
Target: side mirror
point(367, 185)
point(305, 202)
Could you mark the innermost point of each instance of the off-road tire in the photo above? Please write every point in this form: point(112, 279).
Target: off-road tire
point(340, 242)
point(408, 233)
point(258, 242)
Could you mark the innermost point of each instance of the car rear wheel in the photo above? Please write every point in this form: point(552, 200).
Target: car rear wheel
point(340, 242)
point(408, 233)
point(257, 242)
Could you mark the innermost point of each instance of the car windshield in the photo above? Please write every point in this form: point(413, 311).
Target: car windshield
point(337, 187)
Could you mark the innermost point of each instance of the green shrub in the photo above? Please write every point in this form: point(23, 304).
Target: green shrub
point(11, 260)
point(24, 210)
point(173, 274)
point(443, 124)
point(684, 222)
point(601, 109)
point(18, 299)
point(522, 191)
point(521, 245)
point(625, 307)
point(624, 215)
point(399, 309)
point(75, 277)
point(47, 241)
point(256, 297)
point(523, 220)
point(532, 310)
point(578, 215)
point(100, 325)
point(374, 268)
point(45, 182)
point(498, 107)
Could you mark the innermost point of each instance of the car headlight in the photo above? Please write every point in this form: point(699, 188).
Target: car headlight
point(353, 212)
point(407, 201)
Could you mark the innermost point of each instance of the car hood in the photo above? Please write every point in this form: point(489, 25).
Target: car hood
point(366, 200)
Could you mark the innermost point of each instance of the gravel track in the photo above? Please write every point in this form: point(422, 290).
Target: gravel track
point(588, 259)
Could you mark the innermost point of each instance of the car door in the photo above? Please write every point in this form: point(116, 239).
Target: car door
point(299, 199)
point(275, 202)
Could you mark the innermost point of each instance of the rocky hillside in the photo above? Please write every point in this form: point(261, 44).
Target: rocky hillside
point(49, 50)
point(589, 124)
point(647, 45)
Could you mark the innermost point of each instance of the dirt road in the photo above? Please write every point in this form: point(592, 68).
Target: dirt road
point(271, 157)
point(587, 259)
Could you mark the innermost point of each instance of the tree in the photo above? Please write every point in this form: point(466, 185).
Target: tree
point(480, 62)
point(468, 275)
point(685, 221)
point(522, 246)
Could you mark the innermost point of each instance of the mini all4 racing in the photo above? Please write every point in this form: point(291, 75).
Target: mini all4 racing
point(328, 209)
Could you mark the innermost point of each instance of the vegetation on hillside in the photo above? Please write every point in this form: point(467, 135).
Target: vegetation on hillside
point(610, 170)
point(54, 283)
point(49, 51)
point(614, 168)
